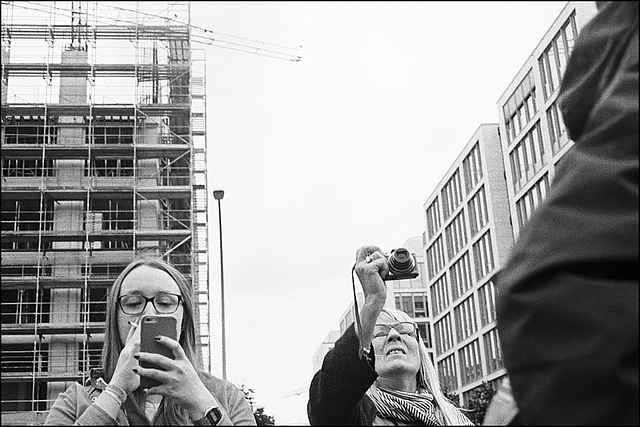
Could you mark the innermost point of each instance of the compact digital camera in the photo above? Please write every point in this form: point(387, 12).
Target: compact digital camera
point(402, 265)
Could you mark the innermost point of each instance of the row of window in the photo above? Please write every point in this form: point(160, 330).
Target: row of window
point(470, 365)
point(28, 306)
point(553, 60)
point(482, 253)
point(520, 107)
point(451, 193)
point(26, 134)
point(464, 316)
point(455, 232)
point(166, 172)
point(103, 214)
point(530, 200)
point(527, 157)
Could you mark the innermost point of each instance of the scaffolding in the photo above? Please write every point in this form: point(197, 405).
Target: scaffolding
point(103, 158)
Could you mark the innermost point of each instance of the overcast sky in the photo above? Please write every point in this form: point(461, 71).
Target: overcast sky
point(341, 149)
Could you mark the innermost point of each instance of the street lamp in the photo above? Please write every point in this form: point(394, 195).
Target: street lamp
point(218, 195)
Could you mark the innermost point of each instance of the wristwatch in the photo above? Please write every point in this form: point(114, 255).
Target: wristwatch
point(213, 416)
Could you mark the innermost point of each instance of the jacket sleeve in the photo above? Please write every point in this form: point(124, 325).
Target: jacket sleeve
point(337, 392)
point(73, 407)
point(232, 400)
point(238, 409)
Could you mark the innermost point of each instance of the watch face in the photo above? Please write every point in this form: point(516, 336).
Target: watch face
point(214, 416)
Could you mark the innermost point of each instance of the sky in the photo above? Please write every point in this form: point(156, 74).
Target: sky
point(336, 151)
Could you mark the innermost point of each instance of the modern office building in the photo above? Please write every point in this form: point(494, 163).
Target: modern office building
point(103, 159)
point(468, 232)
point(476, 211)
point(532, 132)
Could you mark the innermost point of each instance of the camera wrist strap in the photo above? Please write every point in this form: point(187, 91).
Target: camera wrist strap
point(361, 348)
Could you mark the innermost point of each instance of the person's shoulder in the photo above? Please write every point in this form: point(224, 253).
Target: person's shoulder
point(216, 383)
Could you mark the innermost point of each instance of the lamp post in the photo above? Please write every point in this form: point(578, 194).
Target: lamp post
point(218, 195)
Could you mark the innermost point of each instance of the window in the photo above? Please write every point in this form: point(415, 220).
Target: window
point(557, 131)
point(29, 216)
point(487, 303)
point(460, 274)
point(433, 218)
point(21, 306)
point(435, 257)
point(470, 364)
point(492, 350)
point(447, 374)
point(26, 359)
point(520, 107)
point(472, 168)
point(28, 131)
point(89, 355)
point(414, 304)
point(440, 295)
point(105, 131)
point(478, 214)
point(425, 333)
point(465, 318)
point(456, 234)
point(111, 167)
point(451, 195)
point(443, 334)
point(527, 157)
point(97, 305)
point(483, 256)
point(553, 60)
point(27, 167)
point(115, 215)
point(530, 200)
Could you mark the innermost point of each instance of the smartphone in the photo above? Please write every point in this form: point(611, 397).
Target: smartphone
point(152, 326)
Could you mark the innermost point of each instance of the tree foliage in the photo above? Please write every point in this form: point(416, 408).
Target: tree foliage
point(262, 419)
point(479, 402)
point(453, 397)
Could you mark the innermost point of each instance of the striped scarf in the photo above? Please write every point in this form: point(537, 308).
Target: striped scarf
point(408, 407)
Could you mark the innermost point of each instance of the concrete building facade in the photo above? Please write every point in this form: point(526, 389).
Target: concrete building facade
point(103, 159)
point(468, 232)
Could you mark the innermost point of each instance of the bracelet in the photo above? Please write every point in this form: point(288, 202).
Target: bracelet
point(117, 392)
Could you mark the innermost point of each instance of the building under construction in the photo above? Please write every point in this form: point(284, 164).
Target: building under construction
point(103, 159)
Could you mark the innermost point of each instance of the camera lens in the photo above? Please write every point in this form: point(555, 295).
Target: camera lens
point(401, 261)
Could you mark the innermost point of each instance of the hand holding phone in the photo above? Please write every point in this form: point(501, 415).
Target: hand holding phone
point(152, 326)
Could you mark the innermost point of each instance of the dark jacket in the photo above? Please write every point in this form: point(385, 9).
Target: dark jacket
point(337, 395)
point(568, 295)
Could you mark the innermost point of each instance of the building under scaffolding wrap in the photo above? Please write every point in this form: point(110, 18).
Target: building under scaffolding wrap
point(103, 159)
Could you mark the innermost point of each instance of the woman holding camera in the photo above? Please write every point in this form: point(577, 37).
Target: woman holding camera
point(390, 379)
point(186, 395)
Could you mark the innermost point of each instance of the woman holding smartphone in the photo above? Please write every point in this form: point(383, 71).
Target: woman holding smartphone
point(185, 395)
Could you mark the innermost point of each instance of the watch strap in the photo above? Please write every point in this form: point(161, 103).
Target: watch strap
point(212, 417)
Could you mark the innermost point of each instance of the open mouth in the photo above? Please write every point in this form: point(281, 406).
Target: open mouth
point(396, 351)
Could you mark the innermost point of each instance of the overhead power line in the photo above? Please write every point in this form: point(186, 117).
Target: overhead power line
point(199, 34)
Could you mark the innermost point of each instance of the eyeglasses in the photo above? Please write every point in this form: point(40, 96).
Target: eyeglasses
point(403, 328)
point(163, 302)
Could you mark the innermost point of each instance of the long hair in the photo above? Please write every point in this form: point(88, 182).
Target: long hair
point(171, 413)
point(426, 377)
